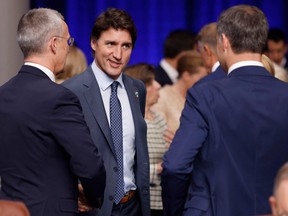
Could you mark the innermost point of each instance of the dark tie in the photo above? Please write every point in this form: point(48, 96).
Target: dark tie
point(117, 136)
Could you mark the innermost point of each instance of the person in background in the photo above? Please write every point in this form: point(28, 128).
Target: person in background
point(232, 137)
point(276, 49)
point(278, 201)
point(176, 44)
point(13, 208)
point(206, 45)
point(100, 88)
point(156, 127)
point(45, 144)
point(172, 97)
point(75, 63)
point(268, 64)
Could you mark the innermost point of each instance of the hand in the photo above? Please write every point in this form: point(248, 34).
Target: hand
point(168, 136)
point(83, 204)
point(159, 168)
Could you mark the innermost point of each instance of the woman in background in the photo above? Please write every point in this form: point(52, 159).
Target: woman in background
point(172, 97)
point(75, 63)
point(156, 127)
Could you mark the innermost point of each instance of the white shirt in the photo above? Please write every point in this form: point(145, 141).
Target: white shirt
point(45, 70)
point(244, 63)
point(104, 82)
point(215, 66)
point(171, 72)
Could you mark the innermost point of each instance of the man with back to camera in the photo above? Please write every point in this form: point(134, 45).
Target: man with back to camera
point(127, 186)
point(207, 47)
point(232, 138)
point(45, 144)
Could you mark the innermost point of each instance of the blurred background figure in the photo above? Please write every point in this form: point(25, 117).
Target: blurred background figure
point(278, 201)
point(13, 208)
point(276, 49)
point(268, 64)
point(76, 63)
point(175, 45)
point(156, 126)
point(206, 46)
point(172, 97)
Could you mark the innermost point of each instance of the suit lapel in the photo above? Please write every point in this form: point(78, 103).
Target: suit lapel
point(133, 96)
point(95, 102)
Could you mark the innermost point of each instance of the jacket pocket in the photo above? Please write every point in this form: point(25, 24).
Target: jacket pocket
point(197, 202)
point(68, 205)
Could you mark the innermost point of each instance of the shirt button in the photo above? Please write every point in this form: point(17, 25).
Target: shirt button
point(115, 169)
point(111, 198)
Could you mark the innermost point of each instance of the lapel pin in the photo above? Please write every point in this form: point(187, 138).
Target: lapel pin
point(136, 95)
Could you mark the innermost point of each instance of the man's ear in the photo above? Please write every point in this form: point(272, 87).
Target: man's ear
point(53, 45)
point(93, 44)
point(207, 49)
point(273, 205)
point(225, 42)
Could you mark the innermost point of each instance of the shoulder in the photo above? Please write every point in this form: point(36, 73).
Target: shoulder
point(79, 80)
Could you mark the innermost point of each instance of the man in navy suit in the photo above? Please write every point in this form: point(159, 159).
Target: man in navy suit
point(233, 133)
point(112, 40)
point(176, 44)
point(206, 45)
point(45, 144)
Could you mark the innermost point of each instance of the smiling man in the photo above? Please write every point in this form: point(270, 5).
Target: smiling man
point(127, 186)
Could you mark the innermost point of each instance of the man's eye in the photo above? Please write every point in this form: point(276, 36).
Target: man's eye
point(127, 46)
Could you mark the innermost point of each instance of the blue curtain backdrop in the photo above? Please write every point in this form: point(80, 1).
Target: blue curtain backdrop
point(155, 19)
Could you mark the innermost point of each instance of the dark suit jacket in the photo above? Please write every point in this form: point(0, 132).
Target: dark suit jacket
point(162, 77)
point(217, 74)
point(87, 89)
point(44, 145)
point(230, 144)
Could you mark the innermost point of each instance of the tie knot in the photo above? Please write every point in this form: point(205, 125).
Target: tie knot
point(114, 86)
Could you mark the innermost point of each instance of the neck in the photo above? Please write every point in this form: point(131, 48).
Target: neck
point(42, 61)
point(148, 113)
point(243, 57)
point(181, 87)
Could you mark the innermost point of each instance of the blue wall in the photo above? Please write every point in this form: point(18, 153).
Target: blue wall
point(155, 19)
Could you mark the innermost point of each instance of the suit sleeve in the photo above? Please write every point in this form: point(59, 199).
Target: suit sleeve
point(178, 160)
point(71, 132)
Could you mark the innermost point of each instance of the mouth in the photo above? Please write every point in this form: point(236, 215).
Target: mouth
point(115, 64)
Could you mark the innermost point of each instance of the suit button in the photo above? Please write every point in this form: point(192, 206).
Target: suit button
point(111, 198)
point(145, 191)
point(115, 169)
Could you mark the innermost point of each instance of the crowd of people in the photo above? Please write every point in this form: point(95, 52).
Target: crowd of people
point(202, 133)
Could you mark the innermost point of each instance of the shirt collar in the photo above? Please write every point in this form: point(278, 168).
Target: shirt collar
point(44, 69)
point(104, 81)
point(171, 72)
point(244, 63)
point(215, 66)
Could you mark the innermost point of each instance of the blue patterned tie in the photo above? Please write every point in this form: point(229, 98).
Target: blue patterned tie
point(117, 136)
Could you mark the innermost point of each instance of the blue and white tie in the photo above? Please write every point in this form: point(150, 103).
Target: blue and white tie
point(117, 136)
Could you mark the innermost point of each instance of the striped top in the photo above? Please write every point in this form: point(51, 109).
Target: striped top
point(156, 148)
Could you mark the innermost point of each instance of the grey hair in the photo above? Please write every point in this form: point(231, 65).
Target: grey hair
point(208, 35)
point(35, 29)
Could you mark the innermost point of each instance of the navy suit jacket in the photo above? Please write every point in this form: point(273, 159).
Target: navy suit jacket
point(230, 144)
point(85, 86)
point(45, 145)
point(217, 74)
point(162, 77)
